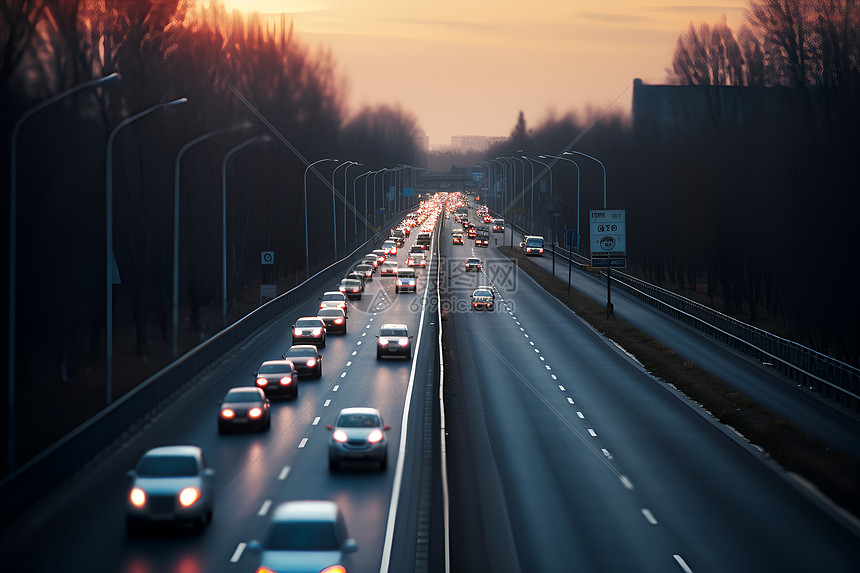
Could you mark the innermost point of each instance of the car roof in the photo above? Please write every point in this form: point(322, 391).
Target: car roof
point(301, 347)
point(332, 292)
point(359, 410)
point(306, 510)
point(179, 451)
point(309, 317)
point(330, 311)
point(394, 325)
point(473, 259)
point(276, 363)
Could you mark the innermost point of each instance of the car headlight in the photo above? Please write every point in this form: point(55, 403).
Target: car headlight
point(262, 381)
point(404, 342)
point(286, 380)
point(316, 332)
point(374, 436)
point(311, 362)
point(137, 497)
point(339, 436)
point(227, 413)
point(338, 321)
point(255, 412)
point(383, 341)
point(189, 496)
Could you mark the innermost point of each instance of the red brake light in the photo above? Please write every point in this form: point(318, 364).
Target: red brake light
point(311, 362)
point(227, 413)
point(338, 321)
point(286, 380)
point(262, 381)
point(255, 412)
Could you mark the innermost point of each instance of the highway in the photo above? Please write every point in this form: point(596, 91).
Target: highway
point(81, 527)
point(563, 454)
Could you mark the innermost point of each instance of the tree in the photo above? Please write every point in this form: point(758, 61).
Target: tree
point(708, 56)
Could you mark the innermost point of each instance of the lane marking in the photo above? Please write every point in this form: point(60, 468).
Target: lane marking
point(284, 473)
point(530, 341)
point(542, 358)
point(683, 565)
point(537, 351)
point(627, 483)
point(349, 362)
point(554, 377)
point(592, 432)
point(606, 453)
point(560, 387)
point(238, 553)
point(364, 334)
point(343, 374)
point(316, 421)
point(649, 516)
point(581, 415)
point(570, 400)
point(303, 442)
point(547, 366)
point(264, 509)
point(336, 387)
point(326, 403)
point(358, 343)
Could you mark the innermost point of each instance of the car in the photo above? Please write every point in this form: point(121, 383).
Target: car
point(381, 255)
point(416, 260)
point(393, 340)
point(306, 360)
point(277, 378)
point(366, 270)
point(351, 288)
point(483, 299)
point(358, 434)
point(244, 407)
point(498, 225)
point(310, 330)
point(305, 535)
point(391, 246)
point(360, 277)
point(334, 299)
point(417, 249)
point(473, 264)
point(405, 281)
point(457, 238)
point(170, 484)
point(472, 233)
point(424, 238)
point(389, 268)
point(371, 260)
point(334, 319)
point(532, 245)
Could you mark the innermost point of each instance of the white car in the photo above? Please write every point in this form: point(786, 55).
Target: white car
point(358, 435)
point(170, 484)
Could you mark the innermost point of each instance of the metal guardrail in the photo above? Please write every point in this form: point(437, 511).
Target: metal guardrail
point(134, 409)
point(824, 374)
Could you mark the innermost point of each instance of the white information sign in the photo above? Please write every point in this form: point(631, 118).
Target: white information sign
point(609, 237)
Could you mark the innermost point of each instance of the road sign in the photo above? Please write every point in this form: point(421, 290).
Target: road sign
point(267, 257)
point(608, 234)
point(603, 262)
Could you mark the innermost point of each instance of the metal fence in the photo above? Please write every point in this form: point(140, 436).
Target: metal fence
point(832, 378)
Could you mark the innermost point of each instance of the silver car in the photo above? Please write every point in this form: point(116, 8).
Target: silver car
point(170, 484)
point(358, 435)
point(305, 537)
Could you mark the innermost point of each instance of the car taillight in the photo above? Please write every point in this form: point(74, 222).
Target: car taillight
point(316, 332)
point(255, 412)
point(383, 341)
point(339, 436)
point(338, 321)
point(341, 289)
point(137, 497)
point(311, 362)
point(374, 436)
point(262, 381)
point(404, 341)
point(332, 569)
point(189, 496)
point(286, 380)
point(227, 413)
point(354, 289)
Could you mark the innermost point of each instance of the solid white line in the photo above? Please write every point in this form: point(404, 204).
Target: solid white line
point(683, 565)
point(326, 403)
point(303, 442)
point(238, 553)
point(264, 509)
point(649, 517)
point(627, 483)
point(592, 432)
point(316, 421)
point(284, 473)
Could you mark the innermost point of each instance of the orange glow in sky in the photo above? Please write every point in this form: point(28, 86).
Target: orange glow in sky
point(467, 67)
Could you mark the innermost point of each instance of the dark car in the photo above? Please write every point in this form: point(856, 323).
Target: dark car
point(306, 360)
point(394, 340)
point(334, 319)
point(244, 407)
point(365, 269)
point(351, 288)
point(277, 378)
point(360, 277)
point(309, 330)
point(334, 298)
point(483, 299)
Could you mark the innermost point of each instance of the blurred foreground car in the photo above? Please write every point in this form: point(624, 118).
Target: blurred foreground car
point(306, 360)
point(394, 340)
point(305, 537)
point(277, 378)
point(358, 435)
point(310, 330)
point(244, 407)
point(170, 484)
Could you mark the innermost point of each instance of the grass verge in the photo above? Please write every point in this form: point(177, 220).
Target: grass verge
point(833, 473)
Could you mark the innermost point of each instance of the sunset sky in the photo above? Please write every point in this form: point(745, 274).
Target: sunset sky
point(467, 67)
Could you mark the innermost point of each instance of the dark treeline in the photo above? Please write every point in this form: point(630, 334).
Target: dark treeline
point(759, 213)
point(234, 70)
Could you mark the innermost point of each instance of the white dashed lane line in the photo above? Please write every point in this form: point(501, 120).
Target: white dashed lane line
point(684, 567)
point(303, 443)
point(592, 433)
point(264, 509)
point(649, 517)
point(284, 473)
point(316, 421)
point(238, 553)
point(627, 483)
point(326, 403)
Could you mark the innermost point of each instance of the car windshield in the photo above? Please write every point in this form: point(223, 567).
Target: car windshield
point(274, 368)
point(534, 242)
point(335, 312)
point(295, 352)
point(392, 332)
point(167, 466)
point(482, 293)
point(307, 323)
point(302, 536)
point(242, 397)
point(349, 282)
point(333, 297)
point(473, 261)
point(358, 421)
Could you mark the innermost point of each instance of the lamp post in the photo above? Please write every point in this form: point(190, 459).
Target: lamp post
point(247, 142)
point(13, 236)
point(333, 210)
point(345, 189)
point(307, 251)
point(354, 202)
point(575, 164)
point(601, 165)
point(176, 188)
point(531, 186)
point(110, 264)
point(549, 168)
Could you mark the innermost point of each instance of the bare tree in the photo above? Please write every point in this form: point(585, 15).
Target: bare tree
point(708, 56)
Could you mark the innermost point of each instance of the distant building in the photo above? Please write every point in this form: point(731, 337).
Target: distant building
point(423, 141)
point(474, 142)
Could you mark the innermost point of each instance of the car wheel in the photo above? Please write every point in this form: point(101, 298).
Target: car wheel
point(323, 342)
point(222, 429)
point(333, 465)
point(319, 372)
point(132, 528)
point(409, 355)
point(269, 420)
point(379, 356)
point(383, 463)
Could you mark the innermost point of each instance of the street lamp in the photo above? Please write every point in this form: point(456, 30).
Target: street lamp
point(247, 142)
point(550, 181)
point(345, 190)
point(13, 236)
point(176, 179)
point(307, 252)
point(354, 204)
point(575, 164)
point(333, 211)
point(601, 164)
point(110, 264)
